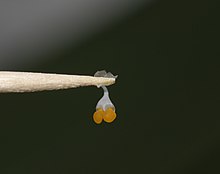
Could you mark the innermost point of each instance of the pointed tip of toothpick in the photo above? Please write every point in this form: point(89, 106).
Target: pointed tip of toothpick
point(105, 81)
point(106, 75)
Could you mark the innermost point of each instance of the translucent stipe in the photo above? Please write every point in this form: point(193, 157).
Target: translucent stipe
point(105, 102)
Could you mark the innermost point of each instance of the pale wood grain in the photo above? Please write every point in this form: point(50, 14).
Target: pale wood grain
point(31, 82)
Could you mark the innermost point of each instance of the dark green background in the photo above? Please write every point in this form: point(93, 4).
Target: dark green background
point(167, 98)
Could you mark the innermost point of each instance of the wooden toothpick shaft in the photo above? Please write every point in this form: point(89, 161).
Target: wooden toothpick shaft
point(31, 82)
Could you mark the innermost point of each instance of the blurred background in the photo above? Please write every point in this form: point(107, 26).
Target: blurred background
point(167, 95)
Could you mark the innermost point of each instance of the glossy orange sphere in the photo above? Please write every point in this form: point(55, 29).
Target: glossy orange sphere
point(109, 115)
point(98, 116)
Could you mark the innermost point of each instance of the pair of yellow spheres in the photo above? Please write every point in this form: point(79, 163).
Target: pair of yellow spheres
point(105, 110)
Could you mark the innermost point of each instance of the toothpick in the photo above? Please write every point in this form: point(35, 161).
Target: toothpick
point(31, 82)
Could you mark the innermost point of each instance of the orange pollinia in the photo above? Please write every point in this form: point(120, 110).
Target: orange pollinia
point(108, 116)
